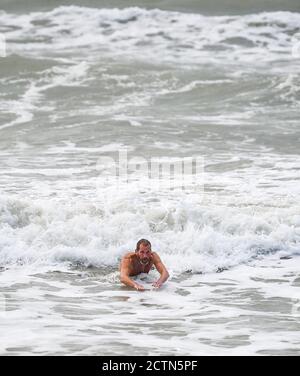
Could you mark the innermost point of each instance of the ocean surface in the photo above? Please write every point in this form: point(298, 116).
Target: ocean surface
point(159, 80)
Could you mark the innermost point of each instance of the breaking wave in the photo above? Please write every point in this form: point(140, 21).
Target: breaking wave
point(189, 236)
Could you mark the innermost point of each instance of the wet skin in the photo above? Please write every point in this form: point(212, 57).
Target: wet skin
point(142, 261)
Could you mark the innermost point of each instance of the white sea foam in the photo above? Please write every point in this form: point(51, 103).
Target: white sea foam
point(189, 235)
point(172, 36)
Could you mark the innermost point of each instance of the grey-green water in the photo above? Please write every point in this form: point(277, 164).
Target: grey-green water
point(162, 80)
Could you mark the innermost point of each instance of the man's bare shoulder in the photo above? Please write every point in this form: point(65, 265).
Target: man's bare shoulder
point(155, 256)
point(129, 256)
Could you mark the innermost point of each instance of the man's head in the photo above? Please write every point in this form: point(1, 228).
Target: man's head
point(143, 251)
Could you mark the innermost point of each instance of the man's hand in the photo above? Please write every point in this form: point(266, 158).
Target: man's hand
point(157, 284)
point(164, 275)
point(139, 287)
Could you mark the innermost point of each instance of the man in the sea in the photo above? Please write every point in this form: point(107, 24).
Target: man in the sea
point(142, 261)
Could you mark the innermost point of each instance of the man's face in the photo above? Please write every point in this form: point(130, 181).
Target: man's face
point(144, 253)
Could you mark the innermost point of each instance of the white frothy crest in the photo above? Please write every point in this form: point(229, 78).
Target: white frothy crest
point(153, 34)
point(189, 236)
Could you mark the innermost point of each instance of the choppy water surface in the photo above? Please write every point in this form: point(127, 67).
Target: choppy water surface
point(82, 82)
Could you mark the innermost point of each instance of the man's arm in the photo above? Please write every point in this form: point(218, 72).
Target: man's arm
point(164, 275)
point(124, 275)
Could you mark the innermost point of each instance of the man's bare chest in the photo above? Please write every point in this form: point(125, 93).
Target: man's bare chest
point(139, 268)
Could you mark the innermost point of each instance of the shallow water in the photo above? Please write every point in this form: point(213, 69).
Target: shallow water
point(251, 309)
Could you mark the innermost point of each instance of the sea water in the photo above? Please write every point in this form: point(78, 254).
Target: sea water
point(161, 80)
